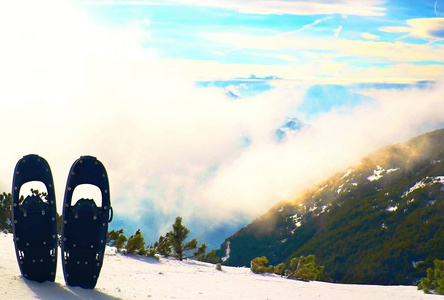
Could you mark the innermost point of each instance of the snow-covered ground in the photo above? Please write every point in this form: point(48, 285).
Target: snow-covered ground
point(134, 277)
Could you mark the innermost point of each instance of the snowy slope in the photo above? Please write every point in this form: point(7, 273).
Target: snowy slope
point(133, 277)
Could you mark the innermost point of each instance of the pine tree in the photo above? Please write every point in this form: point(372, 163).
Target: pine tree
point(177, 238)
point(179, 247)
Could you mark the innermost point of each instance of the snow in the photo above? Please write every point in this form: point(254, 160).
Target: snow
point(422, 184)
point(227, 252)
point(377, 174)
point(135, 277)
point(340, 188)
point(346, 174)
point(297, 222)
point(323, 188)
point(392, 208)
point(392, 170)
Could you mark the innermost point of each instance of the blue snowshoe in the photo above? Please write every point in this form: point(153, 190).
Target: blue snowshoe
point(85, 224)
point(34, 220)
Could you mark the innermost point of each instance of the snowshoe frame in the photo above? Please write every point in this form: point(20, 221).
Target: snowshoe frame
point(85, 224)
point(34, 221)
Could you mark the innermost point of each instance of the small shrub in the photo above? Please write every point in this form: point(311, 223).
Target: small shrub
point(304, 268)
point(120, 242)
point(209, 257)
point(116, 239)
point(163, 246)
point(219, 267)
point(434, 282)
point(151, 252)
point(259, 265)
point(136, 244)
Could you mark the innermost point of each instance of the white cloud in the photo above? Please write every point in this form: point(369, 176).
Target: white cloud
point(369, 36)
point(396, 50)
point(305, 27)
point(319, 7)
point(334, 141)
point(338, 30)
point(426, 28)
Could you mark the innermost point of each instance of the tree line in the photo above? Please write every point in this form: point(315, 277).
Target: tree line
point(305, 268)
point(173, 244)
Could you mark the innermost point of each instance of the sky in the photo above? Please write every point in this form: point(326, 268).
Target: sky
point(181, 99)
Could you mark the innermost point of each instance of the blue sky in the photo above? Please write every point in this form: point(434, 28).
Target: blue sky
point(181, 99)
point(324, 40)
point(248, 47)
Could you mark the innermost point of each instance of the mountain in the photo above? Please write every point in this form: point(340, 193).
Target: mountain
point(379, 222)
point(290, 126)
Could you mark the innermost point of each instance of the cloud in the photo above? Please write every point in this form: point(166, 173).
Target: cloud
point(338, 30)
point(425, 28)
point(335, 140)
point(396, 52)
point(305, 27)
point(369, 36)
point(395, 29)
point(279, 7)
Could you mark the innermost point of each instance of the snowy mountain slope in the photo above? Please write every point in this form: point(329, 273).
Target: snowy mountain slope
point(133, 277)
point(379, 222)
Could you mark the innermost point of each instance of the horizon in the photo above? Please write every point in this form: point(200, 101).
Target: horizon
point(181, 99)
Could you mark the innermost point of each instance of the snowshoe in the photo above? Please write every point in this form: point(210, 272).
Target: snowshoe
point(34, 220)
point(85, 224)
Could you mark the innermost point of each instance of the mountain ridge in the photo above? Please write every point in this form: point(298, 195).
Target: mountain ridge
point(377, 222)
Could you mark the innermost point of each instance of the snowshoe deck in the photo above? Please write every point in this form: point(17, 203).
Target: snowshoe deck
point(85, 224)
point(35, 221)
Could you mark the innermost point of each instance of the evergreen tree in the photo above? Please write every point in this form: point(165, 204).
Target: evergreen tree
point(179, 247)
